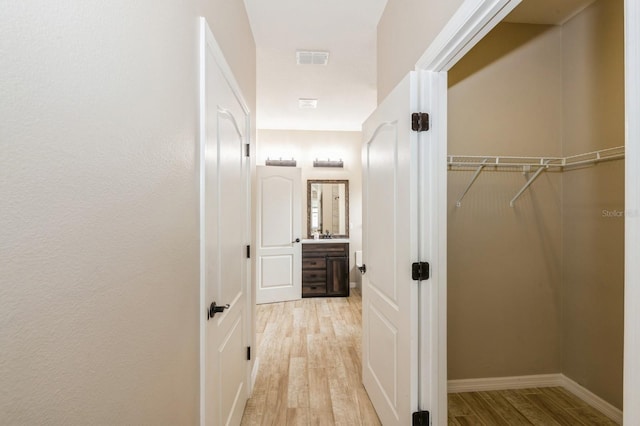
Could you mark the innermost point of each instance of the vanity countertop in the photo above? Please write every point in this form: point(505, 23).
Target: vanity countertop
point(325, 240)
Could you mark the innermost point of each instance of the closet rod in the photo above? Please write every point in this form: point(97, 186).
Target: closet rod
point(467, 161)
point(463, 162)
point(595, 156)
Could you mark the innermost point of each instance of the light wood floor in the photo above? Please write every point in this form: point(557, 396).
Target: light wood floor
point(310, 371)
point(310, 374)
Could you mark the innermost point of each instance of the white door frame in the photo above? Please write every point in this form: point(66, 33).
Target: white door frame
point(473, 20)
point(221, 62)
point(631, 414)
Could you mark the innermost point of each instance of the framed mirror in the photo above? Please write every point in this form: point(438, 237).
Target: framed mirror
point(328, 208)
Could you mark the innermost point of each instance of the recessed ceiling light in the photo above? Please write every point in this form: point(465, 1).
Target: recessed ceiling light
point(307, 57)
point(307, 103)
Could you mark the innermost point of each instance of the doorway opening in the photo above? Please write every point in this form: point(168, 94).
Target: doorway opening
point(307, 350)
point(535, 217)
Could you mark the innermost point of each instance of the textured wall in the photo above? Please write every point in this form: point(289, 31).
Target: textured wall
point(305, 146)
point(99, 288)
point(504, 267)
point(593, 223)
point(405, 30)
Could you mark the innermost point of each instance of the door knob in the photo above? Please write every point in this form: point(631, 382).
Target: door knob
point(297, 240)
point(214, 309)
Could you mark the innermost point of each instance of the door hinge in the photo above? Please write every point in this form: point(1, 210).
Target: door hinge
point(247, 150)
point(420, 418)
point(248, 353)
point(419, 121)
point(248, 252)
point(420, 271)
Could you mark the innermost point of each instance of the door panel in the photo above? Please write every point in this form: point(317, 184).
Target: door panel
point(232, 366)
point(277, 193)
point(381, 165)
point(224, 235)
point(384, 334)
point(231, 174)
point(389, 296)
point(337, 275)
point(279, 268)
point(275, 271)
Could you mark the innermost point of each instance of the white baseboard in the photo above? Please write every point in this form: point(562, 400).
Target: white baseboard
point(592, 399)
point(537, 381)
point(502, 383)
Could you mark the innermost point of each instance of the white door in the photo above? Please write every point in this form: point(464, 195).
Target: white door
point(224, 236)
point(390, 246)
point(278, 234)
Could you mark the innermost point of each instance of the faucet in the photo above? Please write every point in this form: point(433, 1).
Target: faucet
point(327, 234)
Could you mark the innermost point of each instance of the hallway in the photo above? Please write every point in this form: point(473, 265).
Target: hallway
point(309, 354)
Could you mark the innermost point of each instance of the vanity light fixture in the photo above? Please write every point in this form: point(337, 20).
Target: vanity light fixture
point(328, 163)
point(281, 162)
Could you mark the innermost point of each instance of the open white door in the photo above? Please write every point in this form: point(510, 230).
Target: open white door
point(390, 246)
point(225, 233)
point(278, 234)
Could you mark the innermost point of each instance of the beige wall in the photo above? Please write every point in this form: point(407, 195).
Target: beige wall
point(306, 146)
point(539, 288)
point(593, 240)
point(505, 263)
point(405, 30)
point(99, 293)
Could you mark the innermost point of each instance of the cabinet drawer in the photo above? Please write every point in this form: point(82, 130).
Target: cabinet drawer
point(324, 249)
point(314, 289)
point(314, 263)
point(314, 276)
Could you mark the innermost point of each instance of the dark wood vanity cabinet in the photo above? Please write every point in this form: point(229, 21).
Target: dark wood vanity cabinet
point(325, 269)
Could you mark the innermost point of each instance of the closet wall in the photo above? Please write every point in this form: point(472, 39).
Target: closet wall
point(537, 288)
point(593, 201)
point(505, 98)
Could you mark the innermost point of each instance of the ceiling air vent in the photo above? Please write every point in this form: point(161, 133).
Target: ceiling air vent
point(307, 103)
point(306, 57)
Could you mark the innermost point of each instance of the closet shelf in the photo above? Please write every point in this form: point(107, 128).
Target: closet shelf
point(527, 164)
point(594, 157)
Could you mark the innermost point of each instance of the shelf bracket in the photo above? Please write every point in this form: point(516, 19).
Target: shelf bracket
point(542, 168)
point(473, 179)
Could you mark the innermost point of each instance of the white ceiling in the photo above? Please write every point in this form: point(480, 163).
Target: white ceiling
point(346, 87)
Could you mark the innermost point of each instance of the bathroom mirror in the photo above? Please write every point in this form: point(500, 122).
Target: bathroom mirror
point(328, 208)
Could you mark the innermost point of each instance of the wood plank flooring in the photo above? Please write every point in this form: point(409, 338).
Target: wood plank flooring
point(538, 406)
point(310, 374)
point(310, 371)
